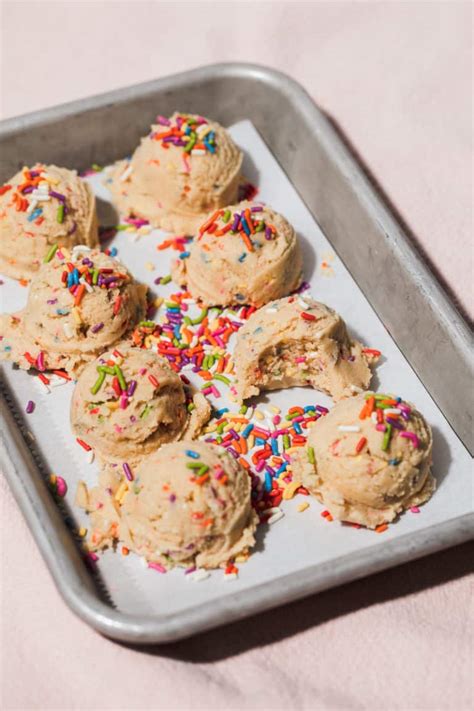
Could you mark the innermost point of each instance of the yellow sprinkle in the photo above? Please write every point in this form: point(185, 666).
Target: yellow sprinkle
point(130, 229)
point(259, 415)
point(149, 266)
point(77, 315)
point(82, 532)
point(65, 252)
point(295, 448)
point(113, 405)
point(52, 478)
point(228, 427)
point(147, 341)
point(251, 441)
point(229, 367)
point(290, 489)
point(275, 409)
point(144, 230)
point(158, 301)
point(303, 506)
point(121, 491)
point(242, 557)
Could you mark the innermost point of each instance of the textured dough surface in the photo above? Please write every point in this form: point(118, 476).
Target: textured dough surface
point(29, 228)
point(221, 270)
point(299, 341)
point(152, 409)
point(172, 514)
point(174, 189)
point(354, 476)
point(69, 332)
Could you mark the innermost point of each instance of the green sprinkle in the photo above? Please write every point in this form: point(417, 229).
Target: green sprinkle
point(286, 442)
point(60, 214)
point(98, 384)
point(200, 318)
point(106, 369)
point(147, 324)
point(220, 428)
point(199, 467)
point(292, 415)
point(122, 228)
point(222, 378)
point(145, 412)
point(226, 216)
point(311, 458)
point(191, 406)
point(51, 252)
point(95, 276)
point(260, 227)
point(120, 378)
point(165, 279)
point(187, 321)
point(386, 438)
point(98, 168)
point(243, 410)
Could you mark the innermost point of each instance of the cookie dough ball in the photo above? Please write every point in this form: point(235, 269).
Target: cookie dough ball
point(185, 167)
point(372, 459)
point(40, 207)
point(299, 341)
point(128, 402)
point(188, 504)
point(244, 254)
point(78, 305)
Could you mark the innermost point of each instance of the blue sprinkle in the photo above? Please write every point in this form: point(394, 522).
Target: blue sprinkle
point(194, 455)
point(309, 408)
point(247, 430)
point(297, 428)
point(268, 482)
point(245, 226)
point(274, 444)
point(7, 348)
point(36, 213)
point(62, 312)
point(184, 255)
point(242, 256)
point(173, 309)
point(261, 442)
point(258, 330)
point(281, 469)
point(113, 252)
point(394, 462)
point(221, 412)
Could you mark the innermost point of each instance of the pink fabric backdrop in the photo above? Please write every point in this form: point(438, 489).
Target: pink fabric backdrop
point(397, 79)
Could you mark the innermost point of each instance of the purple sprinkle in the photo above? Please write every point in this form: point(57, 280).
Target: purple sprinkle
point(163, 121)
point(268, 233)
point(392, 421)
point(28, 190)
point(236, 222)
point(190, 570)
point(52, 301)
point(58, 196)
point(172, 498)
point(30, 407)
point(232, 451)
point(73, 228)
point(128, 471)
point(131, 388)
point(97, 327)
point(256, 208)
point(322, 409)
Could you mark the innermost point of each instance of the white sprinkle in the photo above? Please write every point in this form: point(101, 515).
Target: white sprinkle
point(356, 389)
point(40, 196)
point(90, 456)
point(199, 575)
point(349, 428)
point(392, 411)
point(198, 152)
point(144, 562)
point(276, 517)
point(69, 333)
point(126, 173)
point(373, 417)
point(31, 206)
point(271, 310)
point(79, 249)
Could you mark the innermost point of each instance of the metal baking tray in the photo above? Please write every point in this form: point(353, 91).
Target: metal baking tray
point(428, 329)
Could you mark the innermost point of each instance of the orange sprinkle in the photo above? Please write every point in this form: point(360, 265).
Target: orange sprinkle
point(79, 294)
point(248, 219)
point(243, 462)
point(380, 529)
point(202, 480)
point(247, 241)
point(125, 550)
point(23, 282)
point(224, 479)
point(207, 522)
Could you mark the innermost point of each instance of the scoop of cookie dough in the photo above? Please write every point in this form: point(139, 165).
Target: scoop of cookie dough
point(78, 305)
point(128, 402)
point(40, 207)
point(368, 459)
point(299, 341)
point(185, 167)
point(244, 254)
point(188, 504)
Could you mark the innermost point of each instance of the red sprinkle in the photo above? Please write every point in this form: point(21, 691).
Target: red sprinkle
point(307, 316)
point(83, 444)
point(153, 381)
point(361, 444)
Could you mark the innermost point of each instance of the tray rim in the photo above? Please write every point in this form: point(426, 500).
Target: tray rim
point(63, 559)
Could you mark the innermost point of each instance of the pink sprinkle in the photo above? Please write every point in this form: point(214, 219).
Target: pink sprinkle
point(142, 371)
point(40, 362)
point(158, 567)
point(219, 474)
point(276, 420)
point(206, 391)
point(30, 406)
point(187, 168)
point(118, 429)
point(215, 391)
point(123, 402)
point(93, 557)
point(259, 466)
point(412, 436)
point(414, 509)
point(190, 570)
point(380, 427)
point(301, 359)
point(61, 486)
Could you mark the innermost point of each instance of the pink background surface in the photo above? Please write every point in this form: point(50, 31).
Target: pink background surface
point(397, 79)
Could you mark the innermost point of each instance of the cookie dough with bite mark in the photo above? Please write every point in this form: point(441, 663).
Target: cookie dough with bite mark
point(244, 254)
point(187, 166)
point(129, 402)
point(40, 207)
point(78, 305)
point(368, 459)
point(299, 341)
point(186, 504)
